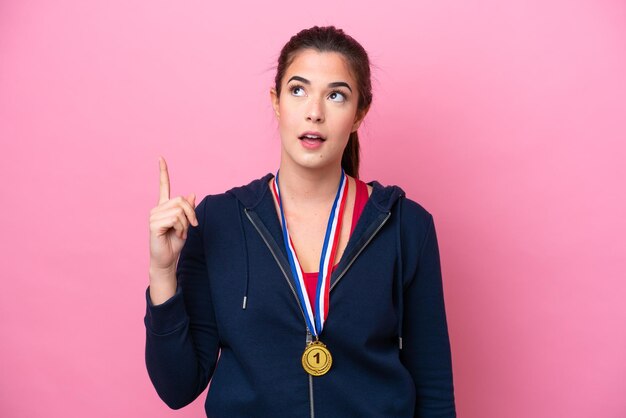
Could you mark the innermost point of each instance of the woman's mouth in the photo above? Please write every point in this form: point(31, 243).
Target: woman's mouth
point(311, 140)
point(312, 135)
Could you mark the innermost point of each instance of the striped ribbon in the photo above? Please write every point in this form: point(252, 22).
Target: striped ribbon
point(315, 321)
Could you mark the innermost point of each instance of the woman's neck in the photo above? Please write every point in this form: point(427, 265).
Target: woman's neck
point(308, 187)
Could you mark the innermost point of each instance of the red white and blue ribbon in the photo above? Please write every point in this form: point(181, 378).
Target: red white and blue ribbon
point(315, 320)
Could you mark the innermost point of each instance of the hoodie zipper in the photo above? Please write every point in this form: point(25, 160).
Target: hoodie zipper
point(279, 265)
point(309, 337)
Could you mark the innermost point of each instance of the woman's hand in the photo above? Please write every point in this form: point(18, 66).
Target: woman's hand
point(169, 222)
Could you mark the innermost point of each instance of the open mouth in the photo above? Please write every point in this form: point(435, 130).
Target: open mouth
point(311, 140)
point(311, 137)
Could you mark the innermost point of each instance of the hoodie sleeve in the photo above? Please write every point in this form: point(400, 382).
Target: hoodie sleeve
point(181, 333)
point(426, 346)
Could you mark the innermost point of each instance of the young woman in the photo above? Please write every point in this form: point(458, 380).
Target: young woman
point(307, 293)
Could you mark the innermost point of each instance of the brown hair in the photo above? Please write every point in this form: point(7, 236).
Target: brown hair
point(331, 39)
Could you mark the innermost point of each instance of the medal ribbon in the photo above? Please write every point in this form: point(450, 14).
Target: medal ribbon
point(315, 322)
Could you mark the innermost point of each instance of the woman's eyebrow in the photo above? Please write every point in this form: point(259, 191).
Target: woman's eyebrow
point(333, 84)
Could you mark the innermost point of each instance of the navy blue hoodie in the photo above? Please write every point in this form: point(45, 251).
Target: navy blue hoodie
point(235, 319)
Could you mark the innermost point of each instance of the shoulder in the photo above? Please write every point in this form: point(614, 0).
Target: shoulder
point(414, 213)
point(392, 198)
point(413, 225)
point(411, 220)
point(416, 224)
point(248, 193)
point(225, 203)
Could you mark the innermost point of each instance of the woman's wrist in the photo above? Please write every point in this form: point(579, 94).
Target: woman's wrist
point(162, 284)
point(162, 274)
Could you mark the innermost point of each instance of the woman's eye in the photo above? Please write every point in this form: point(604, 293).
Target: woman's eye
point(336, 96)
point(297, 91)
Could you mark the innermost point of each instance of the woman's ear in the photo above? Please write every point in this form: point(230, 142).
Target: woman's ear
point(360, 115)
point(274, 99)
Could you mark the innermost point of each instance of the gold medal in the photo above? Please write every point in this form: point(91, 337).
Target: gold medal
point(316, 359)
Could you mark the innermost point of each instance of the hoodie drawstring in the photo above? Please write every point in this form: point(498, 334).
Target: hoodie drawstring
point(399, 285)
point(245, 250)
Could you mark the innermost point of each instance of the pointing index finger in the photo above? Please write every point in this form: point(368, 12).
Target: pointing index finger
point(164, 195)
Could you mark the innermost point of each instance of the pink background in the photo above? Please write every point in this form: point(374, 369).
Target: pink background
point(505, 119)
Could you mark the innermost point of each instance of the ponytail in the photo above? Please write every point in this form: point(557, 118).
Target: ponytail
point(350, 158)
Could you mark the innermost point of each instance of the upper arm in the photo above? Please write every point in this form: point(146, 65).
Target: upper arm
point(426, 346)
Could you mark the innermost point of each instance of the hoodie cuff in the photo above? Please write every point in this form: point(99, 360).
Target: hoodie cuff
point(167, 317)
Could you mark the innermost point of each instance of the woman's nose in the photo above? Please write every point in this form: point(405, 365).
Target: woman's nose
point(315, 112)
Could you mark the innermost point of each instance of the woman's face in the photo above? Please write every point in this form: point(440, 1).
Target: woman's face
point(318, 96)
